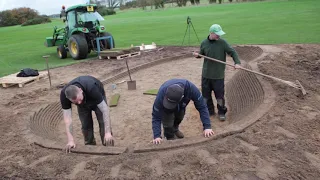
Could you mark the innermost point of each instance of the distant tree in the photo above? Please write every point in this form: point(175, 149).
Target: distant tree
point(197, 2)
point(151, 3)
point(7, 19)
point(37, 20)
point(130, 4)
point(113, 3)
point(192, 2)
point(142, 3)
point(23, 14)
point(104, 11)
point(158, 4)
point(181, 3)
point(121, 2)
point(17, 16)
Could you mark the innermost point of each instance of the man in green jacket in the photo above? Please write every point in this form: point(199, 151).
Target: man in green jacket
point(213, 72)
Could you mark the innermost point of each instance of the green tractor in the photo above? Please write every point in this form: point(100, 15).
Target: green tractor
point(82, 33)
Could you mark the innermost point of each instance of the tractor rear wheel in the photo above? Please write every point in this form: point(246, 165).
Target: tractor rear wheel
point(107, 42)
point(78, 46)
point(62, 52)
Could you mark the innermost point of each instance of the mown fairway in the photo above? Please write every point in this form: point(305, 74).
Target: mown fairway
point(269, 22)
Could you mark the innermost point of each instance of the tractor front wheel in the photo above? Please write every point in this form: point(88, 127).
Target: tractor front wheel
point(62, 52)
point(78, 46)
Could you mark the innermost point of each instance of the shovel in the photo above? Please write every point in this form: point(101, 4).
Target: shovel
point(131, 84)
point(296, 85)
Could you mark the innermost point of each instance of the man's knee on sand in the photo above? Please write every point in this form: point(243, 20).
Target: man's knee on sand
point(89, 139)
point(171, 122)
point(88, 135)
point(178, 117)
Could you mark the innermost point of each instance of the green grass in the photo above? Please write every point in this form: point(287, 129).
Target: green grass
point(114, 100)
point(266, 22)
point(151, 92)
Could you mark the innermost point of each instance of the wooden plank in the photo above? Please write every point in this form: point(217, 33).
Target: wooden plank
point(128, 55)
point(5, 85)
point(111, 53)
point(119, 57)
point(12, 79)
point(119, 51)
point(114, 100)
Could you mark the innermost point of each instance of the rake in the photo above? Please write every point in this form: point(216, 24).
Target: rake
point(296, 85)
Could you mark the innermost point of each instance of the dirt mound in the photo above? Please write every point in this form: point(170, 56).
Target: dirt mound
point(248, 53)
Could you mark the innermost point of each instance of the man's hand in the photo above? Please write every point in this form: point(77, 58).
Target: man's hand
point(70, 145)
point(157, 141)
point(208, 133)
point(108, 139)
point(195, 54)
point(237, 66)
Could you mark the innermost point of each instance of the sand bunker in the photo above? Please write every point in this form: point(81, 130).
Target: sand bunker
point(247, 99)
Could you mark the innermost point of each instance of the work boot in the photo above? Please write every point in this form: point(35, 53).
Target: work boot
point(179, 134)
point(91, 142)
point(88, 137)
point(222, 110)
point(171, 138)
point(222, 117)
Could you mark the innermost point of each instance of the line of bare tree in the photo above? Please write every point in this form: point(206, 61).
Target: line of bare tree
point(156, 4)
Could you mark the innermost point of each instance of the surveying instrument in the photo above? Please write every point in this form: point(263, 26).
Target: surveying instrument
point(189, 23)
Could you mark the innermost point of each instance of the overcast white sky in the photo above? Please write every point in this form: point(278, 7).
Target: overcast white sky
point(47, 7)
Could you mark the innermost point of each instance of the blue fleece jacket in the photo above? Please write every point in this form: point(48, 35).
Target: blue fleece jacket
point(191, 92)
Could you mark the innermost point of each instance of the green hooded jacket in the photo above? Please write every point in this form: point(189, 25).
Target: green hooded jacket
point(216, 49)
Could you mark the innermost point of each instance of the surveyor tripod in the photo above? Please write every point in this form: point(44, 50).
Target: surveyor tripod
point(189, 23)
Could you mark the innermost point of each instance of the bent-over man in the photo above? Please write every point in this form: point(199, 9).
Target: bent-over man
point(170, 106)
point(88, 94)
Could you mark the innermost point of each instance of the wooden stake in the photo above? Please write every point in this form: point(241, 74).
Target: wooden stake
point(46, 57)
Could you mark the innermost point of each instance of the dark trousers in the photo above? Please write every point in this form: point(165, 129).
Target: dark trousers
point(85, 115)
point(171, 121)
point(217, 86)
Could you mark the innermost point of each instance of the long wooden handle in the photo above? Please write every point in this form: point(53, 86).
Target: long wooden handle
point(255, 72)
point(128, 70)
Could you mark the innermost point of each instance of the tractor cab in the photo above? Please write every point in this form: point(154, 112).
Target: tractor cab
point(84, 18)
point(80, 33)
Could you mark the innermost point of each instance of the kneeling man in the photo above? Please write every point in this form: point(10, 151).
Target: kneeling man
point(170, 106)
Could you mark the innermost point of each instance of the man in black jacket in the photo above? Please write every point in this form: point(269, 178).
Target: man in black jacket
point(88, 94)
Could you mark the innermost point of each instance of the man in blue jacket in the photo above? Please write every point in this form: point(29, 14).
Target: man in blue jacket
point(170, 106)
